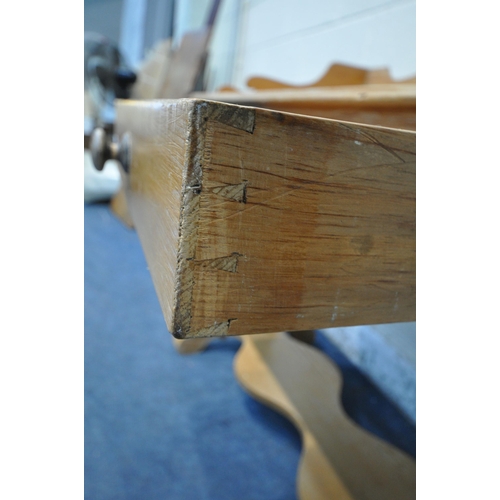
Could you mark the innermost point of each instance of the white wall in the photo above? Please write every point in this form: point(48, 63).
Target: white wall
point(296, 40)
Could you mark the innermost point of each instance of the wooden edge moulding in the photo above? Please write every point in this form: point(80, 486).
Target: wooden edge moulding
point(388, 105)
point(257, 221)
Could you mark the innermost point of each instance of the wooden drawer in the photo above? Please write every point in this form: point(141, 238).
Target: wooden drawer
point(257, 221)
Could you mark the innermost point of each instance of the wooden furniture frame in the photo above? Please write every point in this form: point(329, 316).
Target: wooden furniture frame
point(258, 221)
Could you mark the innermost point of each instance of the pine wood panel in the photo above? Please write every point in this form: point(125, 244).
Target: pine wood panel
point(153, 187)
point(256, 221)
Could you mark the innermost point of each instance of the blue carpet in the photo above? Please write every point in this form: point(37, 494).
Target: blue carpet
point(162, 425)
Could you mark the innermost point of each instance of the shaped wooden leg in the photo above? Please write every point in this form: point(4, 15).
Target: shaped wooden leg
point(190, 346)
point(340, 460)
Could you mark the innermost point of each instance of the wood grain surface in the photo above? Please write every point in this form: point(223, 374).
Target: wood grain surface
point(256, 221)
point(154, 186)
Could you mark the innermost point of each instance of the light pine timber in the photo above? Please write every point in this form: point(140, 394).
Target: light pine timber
point(336, 74)
point(256, 221)
point(339, 459)
point(190, 346)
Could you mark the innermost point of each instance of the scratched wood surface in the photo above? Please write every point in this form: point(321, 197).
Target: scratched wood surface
point(256, 221)
point(339, 459)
